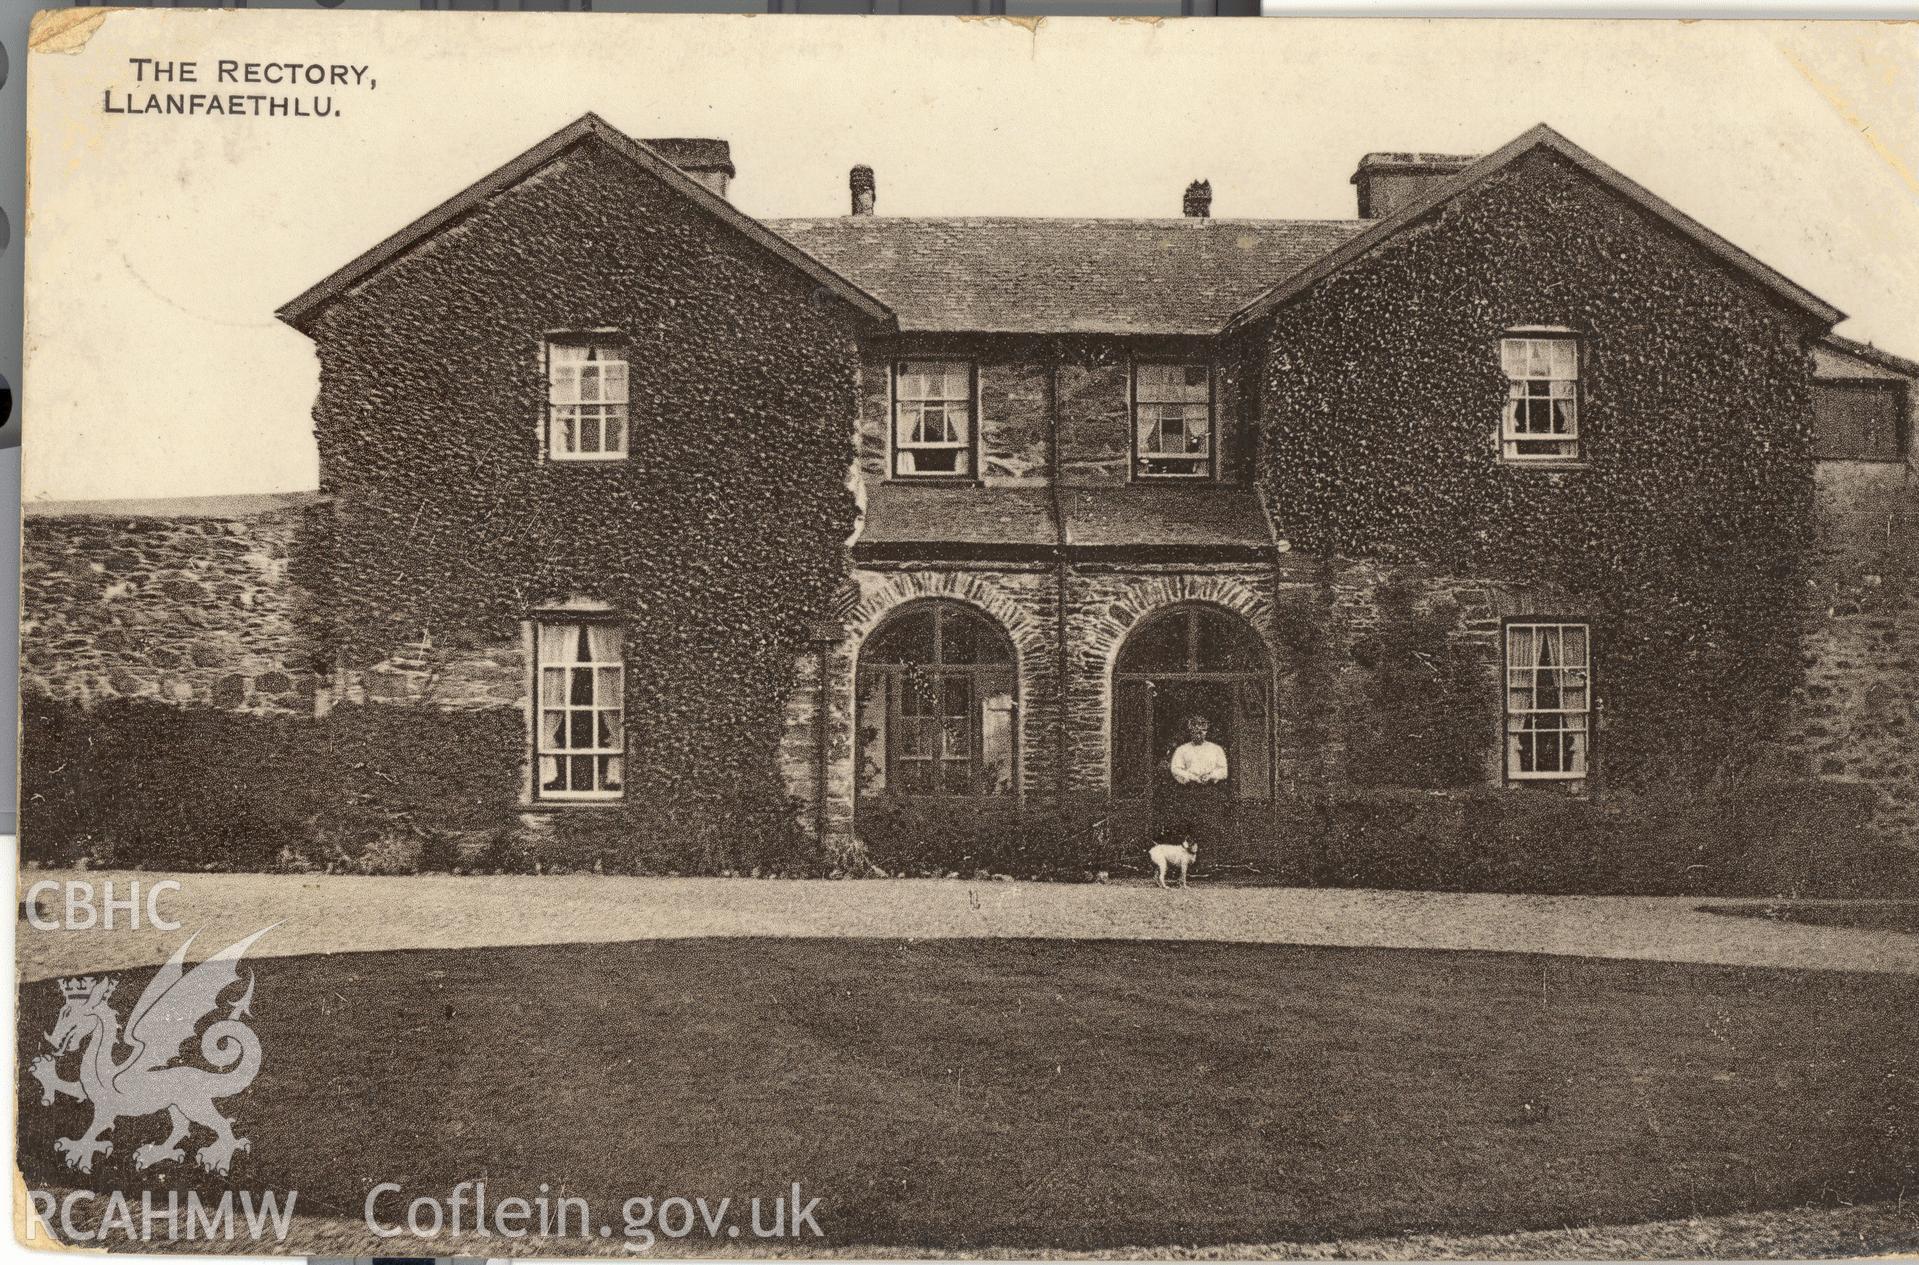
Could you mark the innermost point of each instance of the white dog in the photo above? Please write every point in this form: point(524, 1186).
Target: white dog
point(1181, 854)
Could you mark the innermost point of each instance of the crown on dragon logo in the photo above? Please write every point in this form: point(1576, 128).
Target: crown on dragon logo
point(75, 989)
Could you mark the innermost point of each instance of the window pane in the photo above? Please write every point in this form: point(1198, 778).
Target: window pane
point(956, 697)
point(1226, 645)
point(871, 739)
point(996, 734)
point(959, 636)
point(921, 737)
point(914, 777)
point(1173, 384)
point(1856, 421)
point(957, 777)
point(916, 695)
point(935, 380)
point(904, 638)
point(1157, 646)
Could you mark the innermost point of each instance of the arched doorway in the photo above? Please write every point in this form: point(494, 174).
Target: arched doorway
point(1185, 661)
point(936, 706)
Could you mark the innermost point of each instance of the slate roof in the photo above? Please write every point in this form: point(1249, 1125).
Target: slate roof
point(1058, 276)
point(1878, 356)
point(918, 521)
point(908, 514)
point(1142, 514)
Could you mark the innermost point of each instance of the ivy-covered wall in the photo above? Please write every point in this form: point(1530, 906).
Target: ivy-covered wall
point(1683, 532)
point(715, 541)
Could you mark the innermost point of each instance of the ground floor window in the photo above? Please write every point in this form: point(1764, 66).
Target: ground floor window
point(1548, 700)
point(579, 737)
point(1184, 662)
point(936, 705)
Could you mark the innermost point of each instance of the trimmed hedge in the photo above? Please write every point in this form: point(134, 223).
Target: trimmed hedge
point(368, 789)
point(391, 789)
point(1774, 838)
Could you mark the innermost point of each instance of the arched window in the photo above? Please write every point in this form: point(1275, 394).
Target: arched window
point(1192, 661)
point(936, 704)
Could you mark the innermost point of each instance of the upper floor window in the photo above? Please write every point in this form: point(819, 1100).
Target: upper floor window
point(580, 742)
point(586, 400)
point(933, 419)
point(1548, 700)
point(1542, 398)
point(1173, 421)
point(1858, 420)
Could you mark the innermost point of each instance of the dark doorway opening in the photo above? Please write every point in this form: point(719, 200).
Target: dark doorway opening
point(1191, 661)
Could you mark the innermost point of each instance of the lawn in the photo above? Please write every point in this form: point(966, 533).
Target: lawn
point(1068, 1094)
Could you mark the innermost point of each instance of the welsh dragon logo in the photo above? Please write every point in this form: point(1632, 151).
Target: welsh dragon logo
point(146, 1080)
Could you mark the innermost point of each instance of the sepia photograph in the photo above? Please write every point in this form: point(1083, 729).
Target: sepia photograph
point(720, 636)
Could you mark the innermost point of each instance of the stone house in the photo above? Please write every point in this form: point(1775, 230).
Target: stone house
point(1507, 481)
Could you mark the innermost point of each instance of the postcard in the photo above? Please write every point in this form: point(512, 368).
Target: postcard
point(912, 637)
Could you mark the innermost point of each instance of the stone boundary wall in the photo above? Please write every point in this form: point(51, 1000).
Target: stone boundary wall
point(188, 603)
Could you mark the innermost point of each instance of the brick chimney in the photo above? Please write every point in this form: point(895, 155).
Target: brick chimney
point(708, 161)
point(1198, 203)
point(1389, 181)
point(860, 181)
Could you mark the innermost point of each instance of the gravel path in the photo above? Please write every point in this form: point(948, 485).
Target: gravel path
point(338, 913)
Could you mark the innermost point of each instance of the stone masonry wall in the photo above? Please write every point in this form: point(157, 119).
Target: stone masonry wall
point(1856, 716)
point(188, 608)
point(1018, 599)
point(1032, 389)
point(1320, 701)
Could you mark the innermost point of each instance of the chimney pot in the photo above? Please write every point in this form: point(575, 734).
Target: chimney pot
point(1198, 203)
point(1389, 181)
point(706, 159)
point(860, 181)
